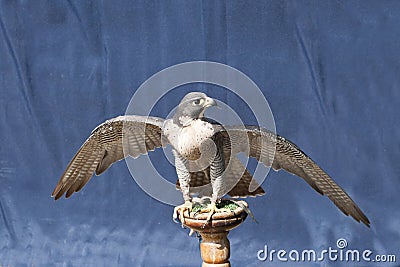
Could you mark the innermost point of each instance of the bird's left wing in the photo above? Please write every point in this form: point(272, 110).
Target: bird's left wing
point(111, 141)
point(278, 152)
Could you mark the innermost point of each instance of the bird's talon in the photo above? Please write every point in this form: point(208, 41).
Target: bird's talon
point(191, 232)
point(180, 210)
point(210, 209)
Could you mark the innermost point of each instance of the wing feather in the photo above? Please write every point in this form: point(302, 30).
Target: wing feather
point(139, 134)
point(278, 152)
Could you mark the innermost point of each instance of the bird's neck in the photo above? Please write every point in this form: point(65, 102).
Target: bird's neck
point(184, 121)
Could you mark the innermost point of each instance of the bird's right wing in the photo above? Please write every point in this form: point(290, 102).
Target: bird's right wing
point(130, 135)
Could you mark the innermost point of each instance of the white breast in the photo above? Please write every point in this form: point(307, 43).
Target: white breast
point(189, 138)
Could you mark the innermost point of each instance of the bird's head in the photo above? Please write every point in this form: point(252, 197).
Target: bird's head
point(193, 106)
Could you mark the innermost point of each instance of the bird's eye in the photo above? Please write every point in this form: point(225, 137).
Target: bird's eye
point(197, 102)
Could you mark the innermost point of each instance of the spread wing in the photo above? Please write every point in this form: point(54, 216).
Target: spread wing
point(132, 135)
point(278, 152)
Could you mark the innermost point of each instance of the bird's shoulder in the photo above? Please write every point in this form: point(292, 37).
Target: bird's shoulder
point(202, 124)
point(128, 120)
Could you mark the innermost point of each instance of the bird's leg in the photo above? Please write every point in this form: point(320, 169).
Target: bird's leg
point(182, 170)
point(217, 169)
point(188, 205)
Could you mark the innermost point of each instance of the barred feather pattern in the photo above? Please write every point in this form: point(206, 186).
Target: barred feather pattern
point(279, 153)
point(111, 141)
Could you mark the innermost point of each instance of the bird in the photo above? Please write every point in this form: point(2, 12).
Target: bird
point(205, 154)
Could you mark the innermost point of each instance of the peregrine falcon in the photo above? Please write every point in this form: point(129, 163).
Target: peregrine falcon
point(205, 155)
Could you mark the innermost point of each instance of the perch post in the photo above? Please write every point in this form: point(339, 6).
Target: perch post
point(214, 246)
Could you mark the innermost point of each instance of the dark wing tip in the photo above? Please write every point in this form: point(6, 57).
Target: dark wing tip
point(361, 217)
point(56, 192)
point(56, 196)
point(367, 223)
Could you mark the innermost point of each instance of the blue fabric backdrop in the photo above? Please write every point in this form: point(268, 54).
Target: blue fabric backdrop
point(329, 69)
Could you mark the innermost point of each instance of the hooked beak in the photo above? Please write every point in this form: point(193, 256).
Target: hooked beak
point(209, 102)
